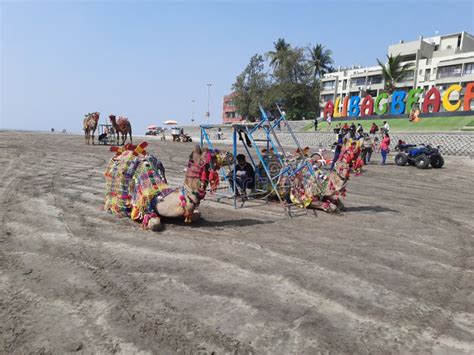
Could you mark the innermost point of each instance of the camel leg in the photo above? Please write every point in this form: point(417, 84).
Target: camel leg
point(196, 216)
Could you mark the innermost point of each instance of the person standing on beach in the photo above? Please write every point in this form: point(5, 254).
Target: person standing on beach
point(384, 147)
point(329, 120)
point(338, 148)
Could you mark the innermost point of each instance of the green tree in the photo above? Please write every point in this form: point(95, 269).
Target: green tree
point(277, 57)
point(394, 72)
point(250, 87)
point(320, 61)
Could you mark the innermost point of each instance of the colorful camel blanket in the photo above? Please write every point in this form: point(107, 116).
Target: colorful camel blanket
point(134, 182)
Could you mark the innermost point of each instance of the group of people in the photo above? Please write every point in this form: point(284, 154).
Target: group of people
point(349, 135)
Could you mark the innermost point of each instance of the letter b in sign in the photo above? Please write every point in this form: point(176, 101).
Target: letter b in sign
point(398, 106)
point(354, 109)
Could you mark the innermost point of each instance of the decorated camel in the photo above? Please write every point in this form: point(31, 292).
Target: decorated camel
point(136, 185)
point(90, 126)
point(123, 127)
point(316, 189)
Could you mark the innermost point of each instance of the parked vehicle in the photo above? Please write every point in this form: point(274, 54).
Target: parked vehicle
point(421, 156)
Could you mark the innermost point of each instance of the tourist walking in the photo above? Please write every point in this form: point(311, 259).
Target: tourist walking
point(384, 147)
point(374, 129)
point(316, 124)
point(367, 148)
point(385, 129)
point(329, 120)
point(352, 130)
point(338, 148)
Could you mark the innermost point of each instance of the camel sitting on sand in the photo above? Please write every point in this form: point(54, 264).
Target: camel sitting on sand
point(319, 190)
point(122, 126)
point(136, 185)
point(90, 125)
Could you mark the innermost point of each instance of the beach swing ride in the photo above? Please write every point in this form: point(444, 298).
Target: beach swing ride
point(275, 168)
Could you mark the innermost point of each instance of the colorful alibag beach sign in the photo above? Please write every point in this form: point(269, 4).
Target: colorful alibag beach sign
point(402, 102)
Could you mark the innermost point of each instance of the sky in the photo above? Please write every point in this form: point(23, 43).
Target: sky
point(148, 60)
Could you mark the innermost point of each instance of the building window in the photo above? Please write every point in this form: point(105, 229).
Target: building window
point(230, 114)
point(358, 81)
point(229, 103)
point(344, 84)
point(328, 85)
point(427, 74)
point(468, 68)
point(408, 57)
point(449, 71)
point(326, 98)
point(374, 79)
point(409, 76)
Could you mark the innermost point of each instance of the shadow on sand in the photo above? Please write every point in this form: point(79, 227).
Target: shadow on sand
point(377, 209)
point(246, 222)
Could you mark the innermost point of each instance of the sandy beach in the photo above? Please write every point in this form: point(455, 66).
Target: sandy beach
point(392, 274)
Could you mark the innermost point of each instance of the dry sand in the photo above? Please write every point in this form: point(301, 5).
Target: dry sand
point(395, 273)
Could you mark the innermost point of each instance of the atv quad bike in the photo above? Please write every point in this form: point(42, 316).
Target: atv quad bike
point(420, 156)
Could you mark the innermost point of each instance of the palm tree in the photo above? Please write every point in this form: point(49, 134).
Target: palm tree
point(320, 60)
point(394, 72)
point(278, 55)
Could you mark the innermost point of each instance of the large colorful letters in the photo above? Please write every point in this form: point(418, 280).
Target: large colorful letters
point(402, 102)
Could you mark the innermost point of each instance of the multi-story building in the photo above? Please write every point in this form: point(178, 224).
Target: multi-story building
point(436, 61)
point(229, 113)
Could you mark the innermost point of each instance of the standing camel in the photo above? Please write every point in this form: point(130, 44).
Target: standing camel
point(90, 125)
point(122, 126)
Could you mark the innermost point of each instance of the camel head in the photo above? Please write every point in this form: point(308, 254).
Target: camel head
point(95, 116)
point(113, 119)
point(202, 170)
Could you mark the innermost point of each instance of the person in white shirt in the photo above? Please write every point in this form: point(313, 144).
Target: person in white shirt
point(386, 127)
point(329, 120)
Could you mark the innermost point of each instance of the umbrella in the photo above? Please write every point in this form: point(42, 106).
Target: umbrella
point(151, 127)
point(170, 122)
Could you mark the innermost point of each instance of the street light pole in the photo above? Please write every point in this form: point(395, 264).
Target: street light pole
point(208, 114)
point(192, 110)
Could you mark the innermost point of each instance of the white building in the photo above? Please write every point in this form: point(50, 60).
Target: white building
point(437, 61)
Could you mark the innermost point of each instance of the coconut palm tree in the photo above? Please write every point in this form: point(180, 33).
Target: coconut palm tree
point(394, 72)
point(277, 56)
point(320, 60)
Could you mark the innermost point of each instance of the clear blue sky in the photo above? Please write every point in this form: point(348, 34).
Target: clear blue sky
point(148, 60)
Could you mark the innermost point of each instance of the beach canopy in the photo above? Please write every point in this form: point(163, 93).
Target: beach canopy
point(171, 122)
point(151, 127)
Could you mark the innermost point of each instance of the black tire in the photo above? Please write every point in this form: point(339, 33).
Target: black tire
point(422, 161)
point(437, 161)
point(401, 159)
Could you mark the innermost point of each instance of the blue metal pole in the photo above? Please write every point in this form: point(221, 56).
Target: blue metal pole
point(234, 173)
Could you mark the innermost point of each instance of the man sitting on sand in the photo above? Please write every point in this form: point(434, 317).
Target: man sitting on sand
point(244, 176)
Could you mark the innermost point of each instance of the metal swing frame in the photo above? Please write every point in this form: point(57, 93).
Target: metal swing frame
point(270, 141)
